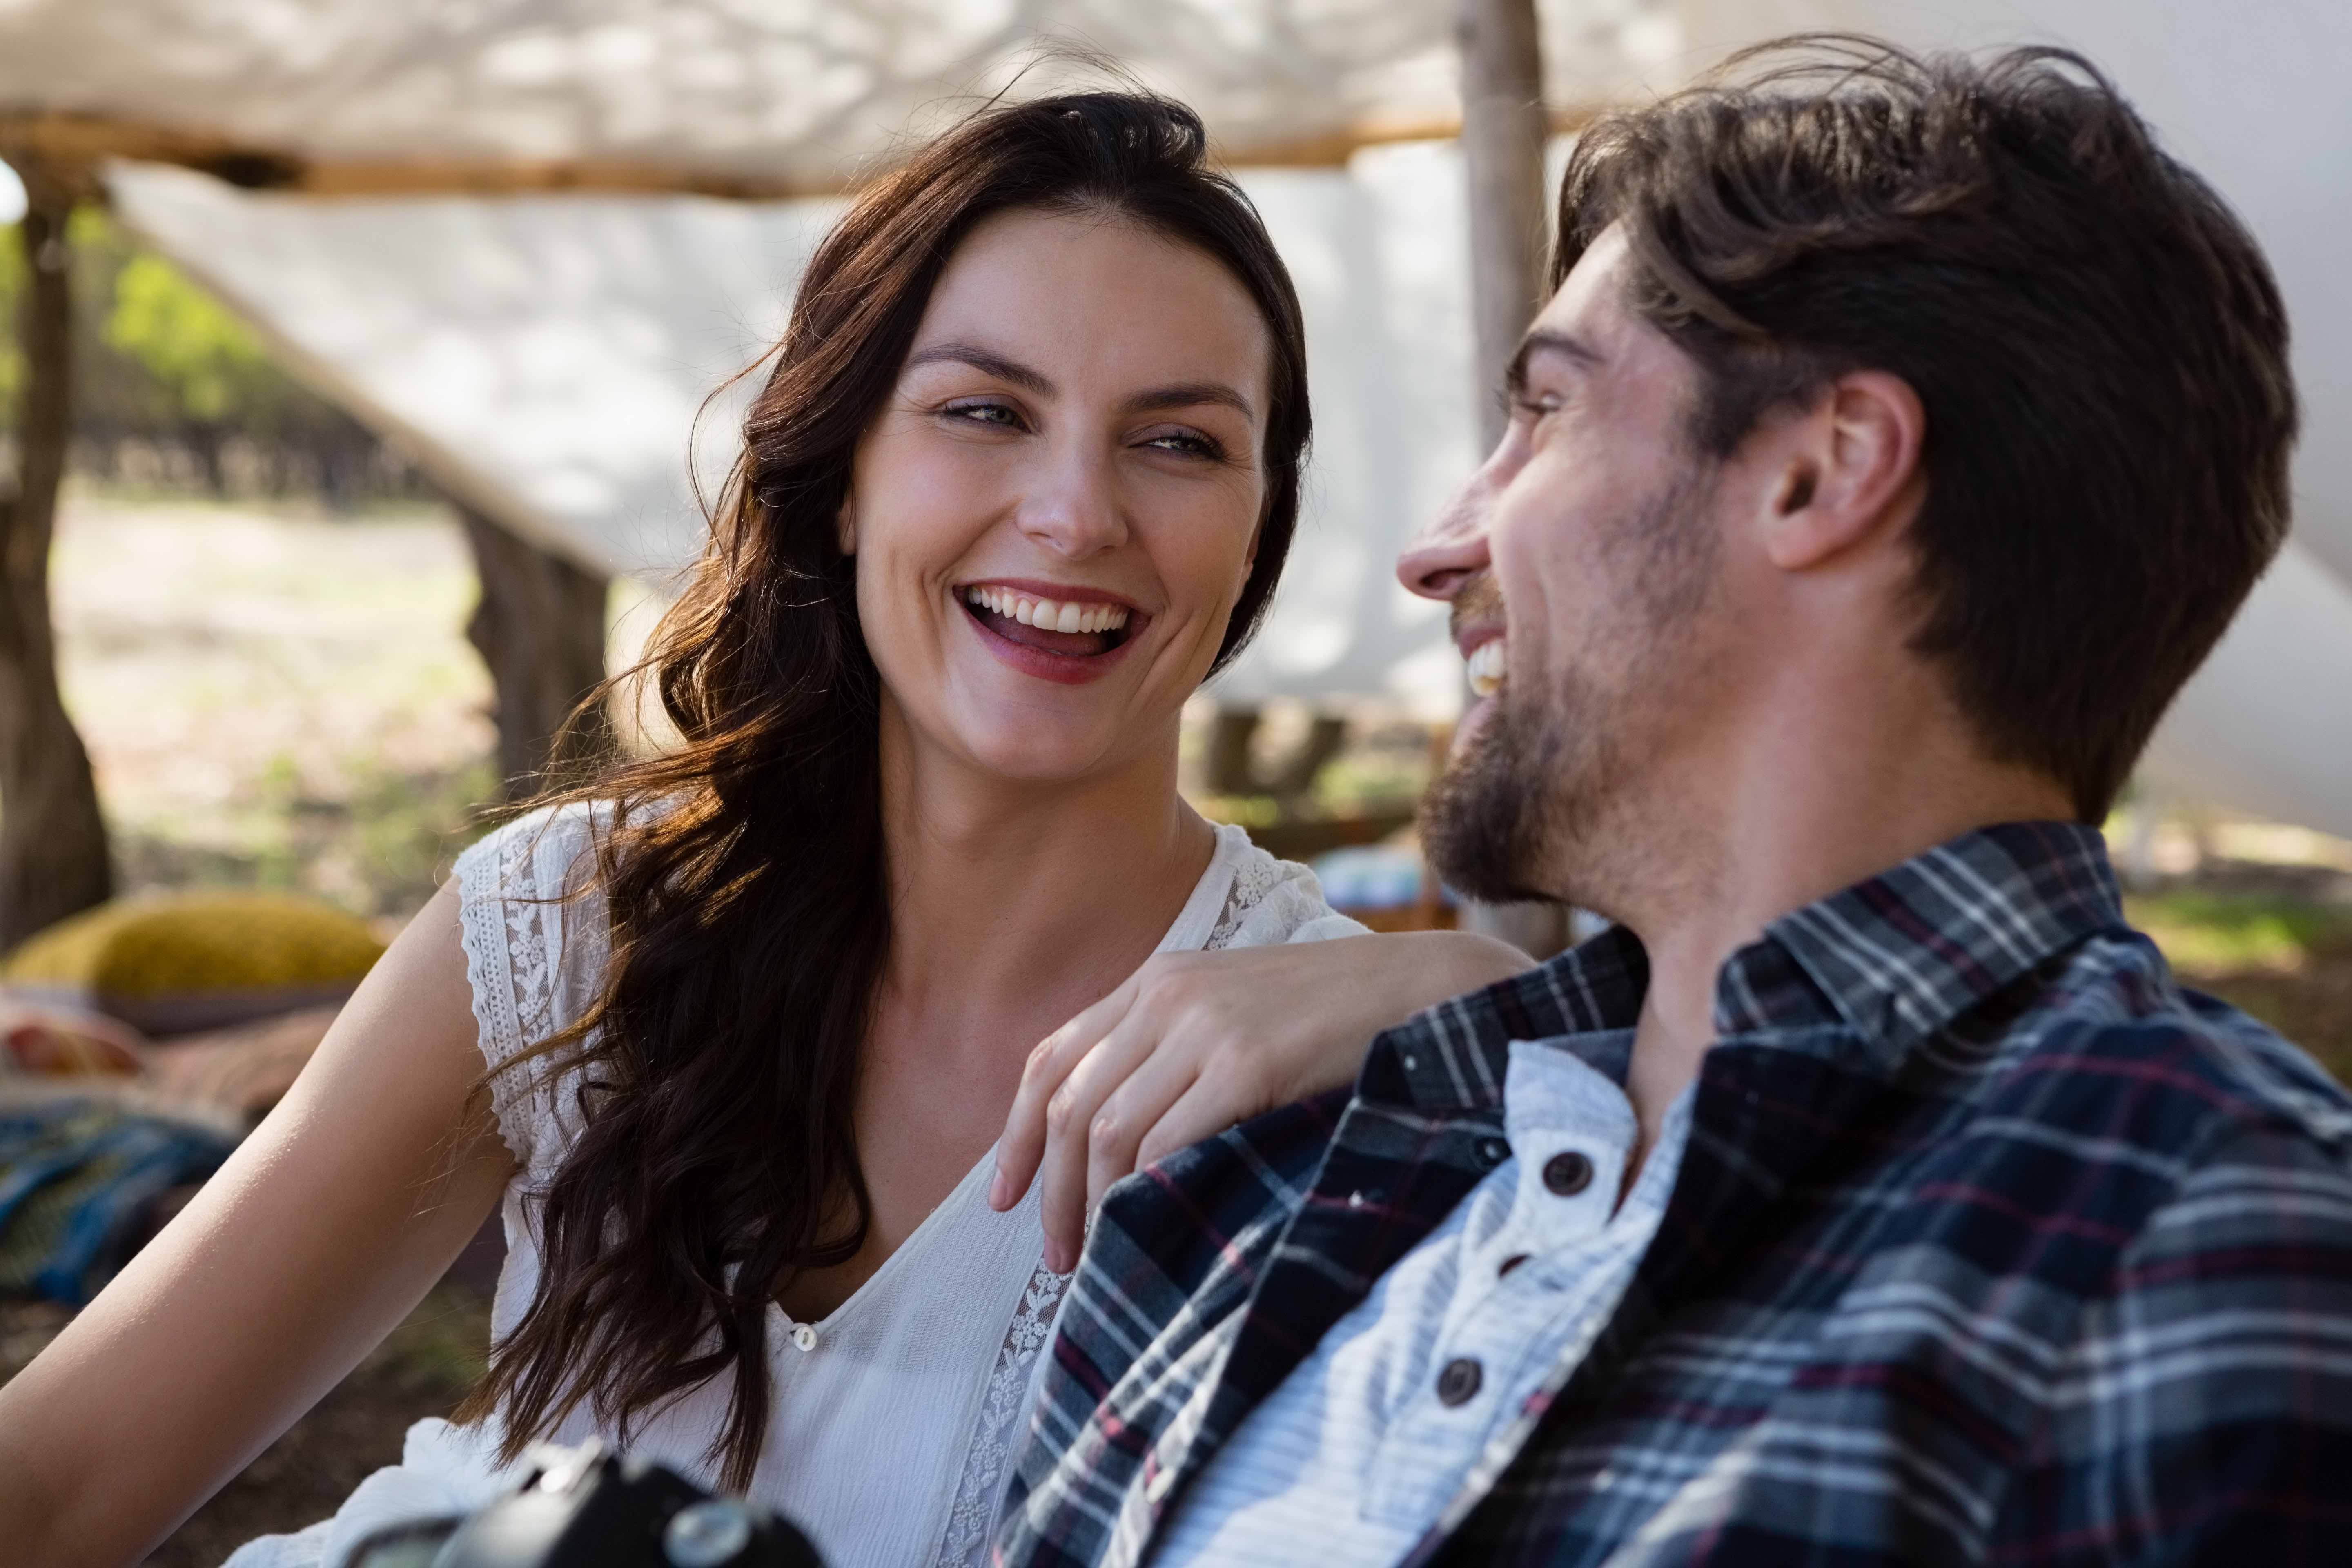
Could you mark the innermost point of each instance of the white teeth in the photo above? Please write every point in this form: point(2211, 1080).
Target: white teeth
point(1050, 614)
point(1486, 666)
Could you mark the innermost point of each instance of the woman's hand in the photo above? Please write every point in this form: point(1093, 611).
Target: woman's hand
point(1195, 1042)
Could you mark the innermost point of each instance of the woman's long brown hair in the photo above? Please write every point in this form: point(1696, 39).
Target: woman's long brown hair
point(742, 870)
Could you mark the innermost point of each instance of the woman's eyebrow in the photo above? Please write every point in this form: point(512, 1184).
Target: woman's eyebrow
point(987, 363)
point(1189, 394)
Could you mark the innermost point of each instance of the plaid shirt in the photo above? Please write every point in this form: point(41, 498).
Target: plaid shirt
point(1991, 1244)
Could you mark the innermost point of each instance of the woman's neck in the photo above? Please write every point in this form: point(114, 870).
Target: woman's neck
point(1008, 897)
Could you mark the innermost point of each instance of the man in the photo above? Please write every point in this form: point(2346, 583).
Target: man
point(1901, 436)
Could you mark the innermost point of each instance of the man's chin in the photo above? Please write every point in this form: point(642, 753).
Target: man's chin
point(1479, 823)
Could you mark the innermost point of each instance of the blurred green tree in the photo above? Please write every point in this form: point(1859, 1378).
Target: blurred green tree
point(211, 362)
point(159, 363)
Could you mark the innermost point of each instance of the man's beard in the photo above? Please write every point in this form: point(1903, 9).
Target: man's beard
point(1522, 812)
point(1500, 815)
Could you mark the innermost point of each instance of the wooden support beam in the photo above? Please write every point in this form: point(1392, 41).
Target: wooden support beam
point(90, 139)
point(540, 626)
point(1233, 767)
point(53, 851)
point(1504, 128)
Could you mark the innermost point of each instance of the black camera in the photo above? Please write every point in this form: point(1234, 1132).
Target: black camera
point(586, 1508)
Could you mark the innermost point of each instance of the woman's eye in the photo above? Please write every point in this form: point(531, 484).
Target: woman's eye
point(1186, 442)
point(998, 414)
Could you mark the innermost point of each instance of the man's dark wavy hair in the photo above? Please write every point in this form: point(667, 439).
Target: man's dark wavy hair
point(2099, 343)
point(743, 872)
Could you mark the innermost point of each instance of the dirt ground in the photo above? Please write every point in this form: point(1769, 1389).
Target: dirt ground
point(287, 699)
point(275, 697)
point(421, 1370)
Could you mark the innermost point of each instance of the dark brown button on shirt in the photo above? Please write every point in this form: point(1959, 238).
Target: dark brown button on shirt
point(1568, 1174)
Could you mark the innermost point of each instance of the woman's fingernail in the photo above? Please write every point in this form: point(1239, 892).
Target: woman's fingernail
point(997, 1196)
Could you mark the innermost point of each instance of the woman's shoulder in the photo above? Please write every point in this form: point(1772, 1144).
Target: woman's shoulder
point(533, 927)
point(543, 853)
point(1269, 900)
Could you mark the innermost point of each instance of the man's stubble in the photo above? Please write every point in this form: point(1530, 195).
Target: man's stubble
point(1539, 804)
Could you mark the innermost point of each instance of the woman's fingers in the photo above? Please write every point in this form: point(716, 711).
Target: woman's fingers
point(1070, 1117)
point(1205, 1109)
point(1131, 1113)
point(1027, 1135)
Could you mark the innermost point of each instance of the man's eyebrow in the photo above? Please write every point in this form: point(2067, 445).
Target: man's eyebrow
point(984, 362)
point(1191, 393)
point(1536, 343)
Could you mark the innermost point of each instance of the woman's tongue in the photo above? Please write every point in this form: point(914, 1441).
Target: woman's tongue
point(1070, 645)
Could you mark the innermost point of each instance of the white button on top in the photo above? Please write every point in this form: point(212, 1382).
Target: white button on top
point(804, 1336)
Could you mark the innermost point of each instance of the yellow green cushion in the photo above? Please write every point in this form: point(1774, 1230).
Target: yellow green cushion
point(168, 964)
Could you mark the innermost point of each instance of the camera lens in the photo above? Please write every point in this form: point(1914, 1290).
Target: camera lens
point(707, 1534)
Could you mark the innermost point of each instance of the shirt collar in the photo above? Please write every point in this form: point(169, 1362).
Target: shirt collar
point(1893, 958)
point(1904, 954)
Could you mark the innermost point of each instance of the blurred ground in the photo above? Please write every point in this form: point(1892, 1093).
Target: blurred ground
point(281, 698)
point(275, 697)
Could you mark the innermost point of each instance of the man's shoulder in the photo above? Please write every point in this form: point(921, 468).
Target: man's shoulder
point(2113, 1043)
point(2220, 1321)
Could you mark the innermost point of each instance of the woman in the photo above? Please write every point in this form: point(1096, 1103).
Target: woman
point(754, 1013)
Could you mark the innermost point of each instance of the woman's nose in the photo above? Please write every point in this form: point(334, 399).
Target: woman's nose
point(1072, 508)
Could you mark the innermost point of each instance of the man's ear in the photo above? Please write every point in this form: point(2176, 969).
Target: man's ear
point(1851, 468)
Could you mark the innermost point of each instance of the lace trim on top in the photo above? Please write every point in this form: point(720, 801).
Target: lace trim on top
point(972, 1516)
point(503, 917)
point(1254, 879)
point(979, 1490)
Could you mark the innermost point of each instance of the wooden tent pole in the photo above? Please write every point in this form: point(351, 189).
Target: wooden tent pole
point(540, 628)
point(53, 851)
point(1504, 128)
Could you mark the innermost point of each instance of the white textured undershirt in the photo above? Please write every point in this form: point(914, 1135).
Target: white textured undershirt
point(1357, 1453)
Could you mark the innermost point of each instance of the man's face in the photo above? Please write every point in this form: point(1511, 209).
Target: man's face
point(1582, 565)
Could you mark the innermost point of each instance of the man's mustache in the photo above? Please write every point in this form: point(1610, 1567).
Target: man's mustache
point(1478, 599)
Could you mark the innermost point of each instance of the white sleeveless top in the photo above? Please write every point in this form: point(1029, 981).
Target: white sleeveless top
point(894, 1416)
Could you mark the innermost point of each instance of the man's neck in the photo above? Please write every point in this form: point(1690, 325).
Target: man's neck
point(1826, 794)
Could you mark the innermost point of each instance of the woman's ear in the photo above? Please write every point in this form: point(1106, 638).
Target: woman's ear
point(845, 525)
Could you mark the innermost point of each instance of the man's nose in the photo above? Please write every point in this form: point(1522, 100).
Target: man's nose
point(1436, 561)
point(1073, 508)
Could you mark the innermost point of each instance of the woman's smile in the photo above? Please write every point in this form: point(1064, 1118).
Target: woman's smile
point(1054, 632)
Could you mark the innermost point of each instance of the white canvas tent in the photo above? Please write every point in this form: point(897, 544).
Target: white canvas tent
point(546, 354)
point(784, 97)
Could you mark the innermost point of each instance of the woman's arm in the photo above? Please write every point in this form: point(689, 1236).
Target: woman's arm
point(325, 1227)
point(1195, 1042)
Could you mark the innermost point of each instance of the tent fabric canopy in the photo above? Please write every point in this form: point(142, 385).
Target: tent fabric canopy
point(726, 96)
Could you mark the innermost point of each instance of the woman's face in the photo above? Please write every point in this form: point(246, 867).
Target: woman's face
point(1057, 506)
